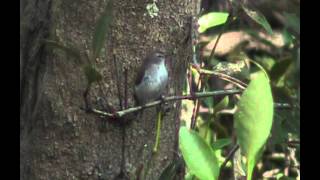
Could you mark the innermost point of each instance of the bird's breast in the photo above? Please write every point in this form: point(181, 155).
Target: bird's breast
point(153, 83)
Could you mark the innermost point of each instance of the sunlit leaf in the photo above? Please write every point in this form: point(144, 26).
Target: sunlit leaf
point(101, 30)
point(258, 17)
point(198, 155)
point(212, 19)
point(221, 143)
point(253, 119)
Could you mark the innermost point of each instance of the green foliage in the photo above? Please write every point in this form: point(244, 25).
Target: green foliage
point(198, 155)
point(276, 54)
point(222, 104)
point(92, 74)
point(258, 17)
point(212, 19)
point(208, 102)
point(292, 22)
point(101, 30)
point(253, 120)
point(221, 143)
point(288, 37)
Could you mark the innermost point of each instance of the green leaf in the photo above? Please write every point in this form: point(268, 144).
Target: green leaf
point(171, 170)
point(92, 74)
point(222, 104)
point(258, 17)
point(198, 155)
point(253, 120)
point(287, 37)
point(267, 62)
point(101, 30)
point(220, 143)
point(212, 19)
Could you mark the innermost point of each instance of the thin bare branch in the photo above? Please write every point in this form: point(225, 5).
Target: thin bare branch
point(196, 95)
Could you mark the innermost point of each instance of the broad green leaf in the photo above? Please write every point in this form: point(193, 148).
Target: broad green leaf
point(212, 19)
point(92, 74)
point(198, 155)
point(101, 30)
point(253, 119)
point(258, 17)
point(220, 143)
point(222, 104)
point(171, 170)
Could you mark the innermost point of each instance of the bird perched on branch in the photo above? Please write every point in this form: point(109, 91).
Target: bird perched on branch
point(152, 78)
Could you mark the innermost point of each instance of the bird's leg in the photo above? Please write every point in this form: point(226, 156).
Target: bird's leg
point(163, 105)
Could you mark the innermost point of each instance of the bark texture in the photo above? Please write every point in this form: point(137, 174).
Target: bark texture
point(60, 141)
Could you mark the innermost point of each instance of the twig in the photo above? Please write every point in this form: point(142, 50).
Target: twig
point(219, 36)
point(232, 82)
point(223, 76)
point(123, 140)
point(124, 112)
point(85, 97)
point(194, 39)
point(293, 143)
point(195, 113)
point(177, 128)
point(118, 79)
point(283, 105)
point(196, 101)
point(228, 158)
point(121, 113)
point(126, 88)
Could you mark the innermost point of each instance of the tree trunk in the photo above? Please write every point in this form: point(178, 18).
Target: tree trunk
point(59, 140)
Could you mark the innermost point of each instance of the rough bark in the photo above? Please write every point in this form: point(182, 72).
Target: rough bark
point(60, 141)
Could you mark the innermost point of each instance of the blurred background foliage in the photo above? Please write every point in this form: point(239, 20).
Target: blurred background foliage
point(275, 45)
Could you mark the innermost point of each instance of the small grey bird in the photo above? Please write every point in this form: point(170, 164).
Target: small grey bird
point(152, 78)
